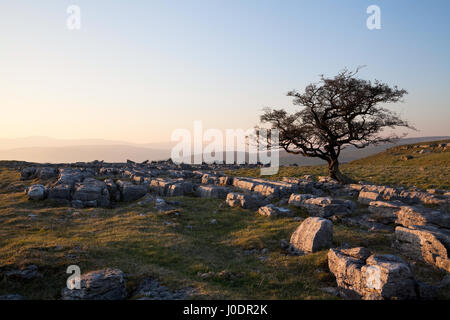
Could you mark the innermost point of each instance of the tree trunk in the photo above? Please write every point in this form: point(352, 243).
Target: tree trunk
point(335, 173)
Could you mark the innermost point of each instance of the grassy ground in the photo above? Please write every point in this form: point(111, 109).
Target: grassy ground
point(175, 248)
point(428, 170)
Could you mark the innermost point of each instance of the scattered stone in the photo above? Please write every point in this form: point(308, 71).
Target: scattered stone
point(378, 277)
point(131, 192)
point(36, 192)
point(271, 211)
point(424, 243)
point(91, 193)
point(106, 284)
point(322, 206)
point(211, 191)
point(246, 201)
point(313, 235)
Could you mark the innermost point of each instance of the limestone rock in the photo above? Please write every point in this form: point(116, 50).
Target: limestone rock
point(271, 211)
point(365, 197)
point(106, 284)
point(211, 191)
point(428, 244)
point(131, 192)
point(36, 192)
point(322, 206)
point(420, 216)
point(92, 193)
point(246, 201)
point(378, 277)
point(313, 235)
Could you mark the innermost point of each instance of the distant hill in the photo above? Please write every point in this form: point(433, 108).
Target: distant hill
point(43, 149)
point(351, 153)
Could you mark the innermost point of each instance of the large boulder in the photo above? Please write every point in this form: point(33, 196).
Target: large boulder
point(425, 243)
point(420, 216)
point(92, 193)
point(365, 197)
point(322, 206)
point(384, 211)
point(170, 187)
point(46, 173)
point(246, 201)
point(36, 192)
point(106, 284)
point(130, 192)
point(374, 277)
point(60, 192)
point(313, 235)
point(38, 172)
point(212, 191)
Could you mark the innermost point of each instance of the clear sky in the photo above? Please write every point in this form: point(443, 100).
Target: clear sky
point(139, 69)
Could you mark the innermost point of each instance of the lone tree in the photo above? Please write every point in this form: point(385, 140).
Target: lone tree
point(337, 112)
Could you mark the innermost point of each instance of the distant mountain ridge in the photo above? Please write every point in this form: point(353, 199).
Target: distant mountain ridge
point(49, 150)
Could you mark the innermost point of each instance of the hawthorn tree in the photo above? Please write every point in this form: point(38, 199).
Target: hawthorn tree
point(337, 112)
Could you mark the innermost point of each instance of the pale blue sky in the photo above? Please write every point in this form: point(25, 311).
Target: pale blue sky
point(139, 69)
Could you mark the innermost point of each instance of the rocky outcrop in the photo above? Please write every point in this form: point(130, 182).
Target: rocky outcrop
point(322, 206)
point(170, 187)
point(211, 191)
point(43, 173)
point(370, 193)
point(425, 243)
point(36, 192)
point(246, 201)
point(91, 193)
point(266, 188)
point(420, 216)
point(312, 235)
point(272, 211)
point(217, 180)
point(130, 192)
point(371, 277)
point(107, 284)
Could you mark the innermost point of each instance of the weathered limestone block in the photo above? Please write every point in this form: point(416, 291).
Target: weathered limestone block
point(272, 211)
point(322, 206)
point(375, 277)
point(365, 197)
point(107, 284)
point(92, 193)
point(211, 191)
point(246, 201)
point(130, 192)
point(312, 235)
point(36, 192)
point(420, 216)
point(384, 211)
point(425, 243)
